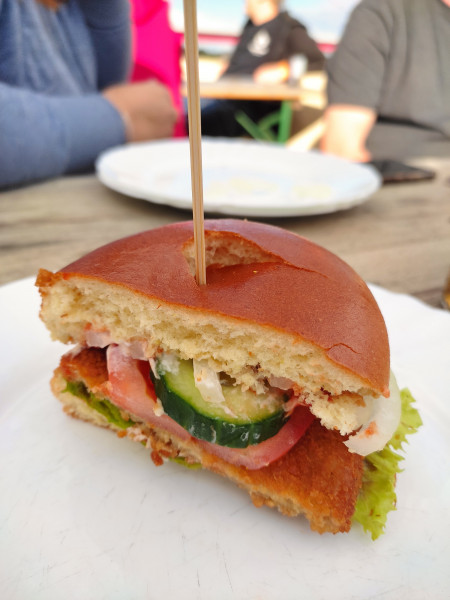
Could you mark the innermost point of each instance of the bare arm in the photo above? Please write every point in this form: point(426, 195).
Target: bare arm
point(355, 82)
point(346, 130)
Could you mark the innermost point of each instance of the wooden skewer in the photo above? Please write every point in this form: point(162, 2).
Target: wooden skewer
point(195, 136)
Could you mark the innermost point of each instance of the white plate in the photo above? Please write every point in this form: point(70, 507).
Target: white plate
point(84, 514)
point(244, 178)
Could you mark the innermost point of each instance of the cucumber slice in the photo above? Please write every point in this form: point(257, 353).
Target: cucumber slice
point(244, 419)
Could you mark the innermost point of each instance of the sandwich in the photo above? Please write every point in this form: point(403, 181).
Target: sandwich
point(275, 374)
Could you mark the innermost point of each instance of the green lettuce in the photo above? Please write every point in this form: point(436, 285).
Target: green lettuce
point(377, 497)
point(101, 405)
point(182, 461)
point(111, 412)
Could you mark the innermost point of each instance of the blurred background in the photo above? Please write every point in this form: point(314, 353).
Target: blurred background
point(219, 25)
point(324, 19)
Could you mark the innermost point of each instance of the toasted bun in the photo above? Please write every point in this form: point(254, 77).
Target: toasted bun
point(275, 305)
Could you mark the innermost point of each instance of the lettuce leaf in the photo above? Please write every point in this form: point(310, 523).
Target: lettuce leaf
point(101, 405)
point(377, 497)
point(182, 461)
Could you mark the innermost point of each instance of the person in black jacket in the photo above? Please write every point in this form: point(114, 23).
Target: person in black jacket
point(271, 38)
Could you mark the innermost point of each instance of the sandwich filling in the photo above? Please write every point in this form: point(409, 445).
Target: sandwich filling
point(119, 389)
point(246, 428)
point(316, 476)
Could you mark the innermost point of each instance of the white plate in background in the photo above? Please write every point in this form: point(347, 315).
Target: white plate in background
point(240, 177)
point(84, 514)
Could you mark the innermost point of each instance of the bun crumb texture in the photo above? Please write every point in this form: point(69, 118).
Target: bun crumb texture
point(275, 306)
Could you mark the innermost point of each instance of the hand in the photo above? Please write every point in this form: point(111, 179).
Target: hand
point(272, 73)
point(146, 108)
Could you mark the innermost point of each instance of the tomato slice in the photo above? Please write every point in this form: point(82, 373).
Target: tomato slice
point(133, 391)
point(261, 455)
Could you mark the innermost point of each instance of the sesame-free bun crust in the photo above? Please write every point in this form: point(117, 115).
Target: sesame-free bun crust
point(275, 304)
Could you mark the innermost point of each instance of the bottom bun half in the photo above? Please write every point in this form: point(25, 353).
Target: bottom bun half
point(318, 478)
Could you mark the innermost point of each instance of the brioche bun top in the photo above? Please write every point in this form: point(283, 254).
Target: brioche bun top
point(256, 273)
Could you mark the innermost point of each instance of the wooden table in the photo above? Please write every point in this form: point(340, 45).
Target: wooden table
point(399, 238)
point(244, 88)
point(308, 92)
point(310, 89)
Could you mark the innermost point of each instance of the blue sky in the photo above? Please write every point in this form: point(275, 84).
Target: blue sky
point(323, 18)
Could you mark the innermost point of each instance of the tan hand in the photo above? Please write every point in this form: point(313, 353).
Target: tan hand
point(146, 108)
point(272, 73)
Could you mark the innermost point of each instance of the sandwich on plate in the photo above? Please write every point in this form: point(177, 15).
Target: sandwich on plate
point(275, 374)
